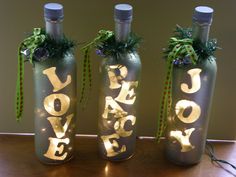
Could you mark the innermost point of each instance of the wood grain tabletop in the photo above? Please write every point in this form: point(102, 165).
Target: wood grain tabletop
point(17, 159)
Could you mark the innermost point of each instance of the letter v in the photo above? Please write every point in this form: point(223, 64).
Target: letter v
point(57, 127)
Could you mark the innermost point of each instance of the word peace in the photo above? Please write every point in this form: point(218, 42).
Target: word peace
point(112, 108)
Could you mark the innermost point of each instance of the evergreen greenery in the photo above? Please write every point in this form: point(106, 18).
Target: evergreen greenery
point(55, 49)
point(111, 47)
point(203, 51)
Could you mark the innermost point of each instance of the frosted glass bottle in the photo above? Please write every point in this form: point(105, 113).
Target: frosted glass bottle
point(192, 90)
point(55, 97)
point(118, 96)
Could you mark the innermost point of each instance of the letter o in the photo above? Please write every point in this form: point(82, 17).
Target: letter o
point(49, 104)
point(193, 116)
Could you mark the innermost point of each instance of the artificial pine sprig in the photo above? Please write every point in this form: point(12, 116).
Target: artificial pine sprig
point(182, 50)
point(112, 47)
point(182, 33)
point(37, 47)
point(205, 50)
point(56, 48)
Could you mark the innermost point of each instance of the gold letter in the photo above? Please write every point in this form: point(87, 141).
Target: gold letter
point(114, 78)
point(196, 81)
point(53, 149)
point(49, 104)
point(127, 92)
point(110, 144)
point(116, 109)
point(57, 127)
point(183, 140)
point(119, 125)
point(182, 105)
point(55, 81)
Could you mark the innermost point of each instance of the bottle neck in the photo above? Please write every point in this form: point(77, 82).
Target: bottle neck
point(201, 31)
point(54, 29)
point(122, 30)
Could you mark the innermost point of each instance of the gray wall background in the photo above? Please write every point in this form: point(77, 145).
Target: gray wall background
point(154, 20)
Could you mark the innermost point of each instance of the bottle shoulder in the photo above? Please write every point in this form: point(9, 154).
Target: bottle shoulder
point(126, 58)
point(206, 64)
point(67, 59)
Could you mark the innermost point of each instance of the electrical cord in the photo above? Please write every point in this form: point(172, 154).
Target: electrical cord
point(210, 152)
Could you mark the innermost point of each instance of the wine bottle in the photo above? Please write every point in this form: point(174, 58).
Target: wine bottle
point(55, 94)
point(192, 90)
point(118, 96)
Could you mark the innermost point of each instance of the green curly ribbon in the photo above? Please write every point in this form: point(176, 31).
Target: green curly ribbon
point(180, 48)
point(102, 36)
point(31, 43)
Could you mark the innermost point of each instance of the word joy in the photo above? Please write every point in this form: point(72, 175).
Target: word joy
point(113, 110)
point(180, 107)
point(55, 151)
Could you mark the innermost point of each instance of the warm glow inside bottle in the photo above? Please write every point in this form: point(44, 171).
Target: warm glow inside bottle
point(192, 90)
point(55, 97)
point(118, 97)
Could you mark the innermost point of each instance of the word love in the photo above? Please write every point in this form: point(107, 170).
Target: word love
point(194, 115)
point(57, 144)
point(113, 110)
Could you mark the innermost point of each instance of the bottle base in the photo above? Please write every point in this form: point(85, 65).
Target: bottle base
point(183, 163)
point(117, 160)
point(56, 162)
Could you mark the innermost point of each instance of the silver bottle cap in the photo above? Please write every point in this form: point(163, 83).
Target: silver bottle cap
point(123, 12)
point(53, 11)
point(203, 14)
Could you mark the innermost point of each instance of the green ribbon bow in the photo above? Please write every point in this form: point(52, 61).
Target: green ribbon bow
point(180, 48)
point(102, 36)
point(31, 44)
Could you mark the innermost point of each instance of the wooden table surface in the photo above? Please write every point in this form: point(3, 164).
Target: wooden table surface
point(17, 159)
